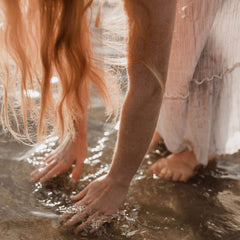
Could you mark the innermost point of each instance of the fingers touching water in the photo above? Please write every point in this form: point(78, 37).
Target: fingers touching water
point(62, 159)
point(96, 205)
point(85, 218)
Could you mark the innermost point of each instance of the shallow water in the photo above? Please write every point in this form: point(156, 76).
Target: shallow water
point(205, 208)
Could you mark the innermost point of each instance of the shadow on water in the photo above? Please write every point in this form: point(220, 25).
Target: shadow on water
point(205, 208)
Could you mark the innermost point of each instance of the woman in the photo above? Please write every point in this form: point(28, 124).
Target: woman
point(53, 38)
point(150, 37)
point(140, 110)
point(199, 115)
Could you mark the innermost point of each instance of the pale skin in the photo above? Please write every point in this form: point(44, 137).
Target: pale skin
point(139, 116)
point(181, 166)
point(177, 166)
point(69, 152)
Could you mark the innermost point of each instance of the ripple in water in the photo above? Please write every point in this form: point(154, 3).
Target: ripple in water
point(207, 207)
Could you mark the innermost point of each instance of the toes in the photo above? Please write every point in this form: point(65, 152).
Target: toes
point(157, 166)
point(176, 176)
point(163, 172)
point(168, 174)
point(174, 167)
point(185, 177)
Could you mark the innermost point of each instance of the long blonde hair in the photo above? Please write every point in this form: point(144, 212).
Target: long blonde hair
point(43, 39)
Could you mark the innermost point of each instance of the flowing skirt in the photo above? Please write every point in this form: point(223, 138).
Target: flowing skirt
point(200, 111)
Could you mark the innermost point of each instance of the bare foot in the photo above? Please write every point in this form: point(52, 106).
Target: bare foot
point(155, 140)
point(176, 167)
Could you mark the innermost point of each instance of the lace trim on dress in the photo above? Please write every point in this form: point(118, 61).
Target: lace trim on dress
point(199, 82)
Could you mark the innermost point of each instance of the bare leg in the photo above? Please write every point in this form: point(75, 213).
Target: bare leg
point(192, 29)
point(155, 140)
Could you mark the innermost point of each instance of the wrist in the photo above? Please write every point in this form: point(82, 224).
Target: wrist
point(81, 129)
point(119, 180)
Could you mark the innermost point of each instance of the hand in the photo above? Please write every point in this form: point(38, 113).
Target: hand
point(69, 152)
point(96, 204)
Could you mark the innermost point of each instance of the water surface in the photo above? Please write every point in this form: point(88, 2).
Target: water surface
point(205, 208)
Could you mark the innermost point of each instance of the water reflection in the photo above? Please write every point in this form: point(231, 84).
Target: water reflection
point(207, 207)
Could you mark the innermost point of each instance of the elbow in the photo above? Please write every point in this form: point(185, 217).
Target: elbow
point(154, 94)
point(145, 82)
point(148, 93)
point(157, 92)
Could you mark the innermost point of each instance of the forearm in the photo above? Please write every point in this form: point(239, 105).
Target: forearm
point(80, 125)
point(138, 122)
point(140, 111)
point(81, 128)
point(142, 105)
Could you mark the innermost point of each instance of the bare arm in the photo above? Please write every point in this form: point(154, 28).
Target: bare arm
point(150, 33)
point(69, 152)
point(151, 26)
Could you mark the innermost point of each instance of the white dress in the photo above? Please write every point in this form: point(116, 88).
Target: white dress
point(200, 111)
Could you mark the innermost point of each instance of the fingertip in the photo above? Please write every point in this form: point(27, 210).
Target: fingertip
point(76, 174)
point(149, 171)
point(74, 180)
point(67, 224)
point(74, 198)
point(80, 195)
point(93, 231)
point(34, 172)
point(32, 180)
point(43, 180)
point(65, 216)
point(76, 231)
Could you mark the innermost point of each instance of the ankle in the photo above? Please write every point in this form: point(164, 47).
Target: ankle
point(186, 157)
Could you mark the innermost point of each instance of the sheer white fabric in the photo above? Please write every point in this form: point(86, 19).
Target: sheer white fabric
point(201, 107)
